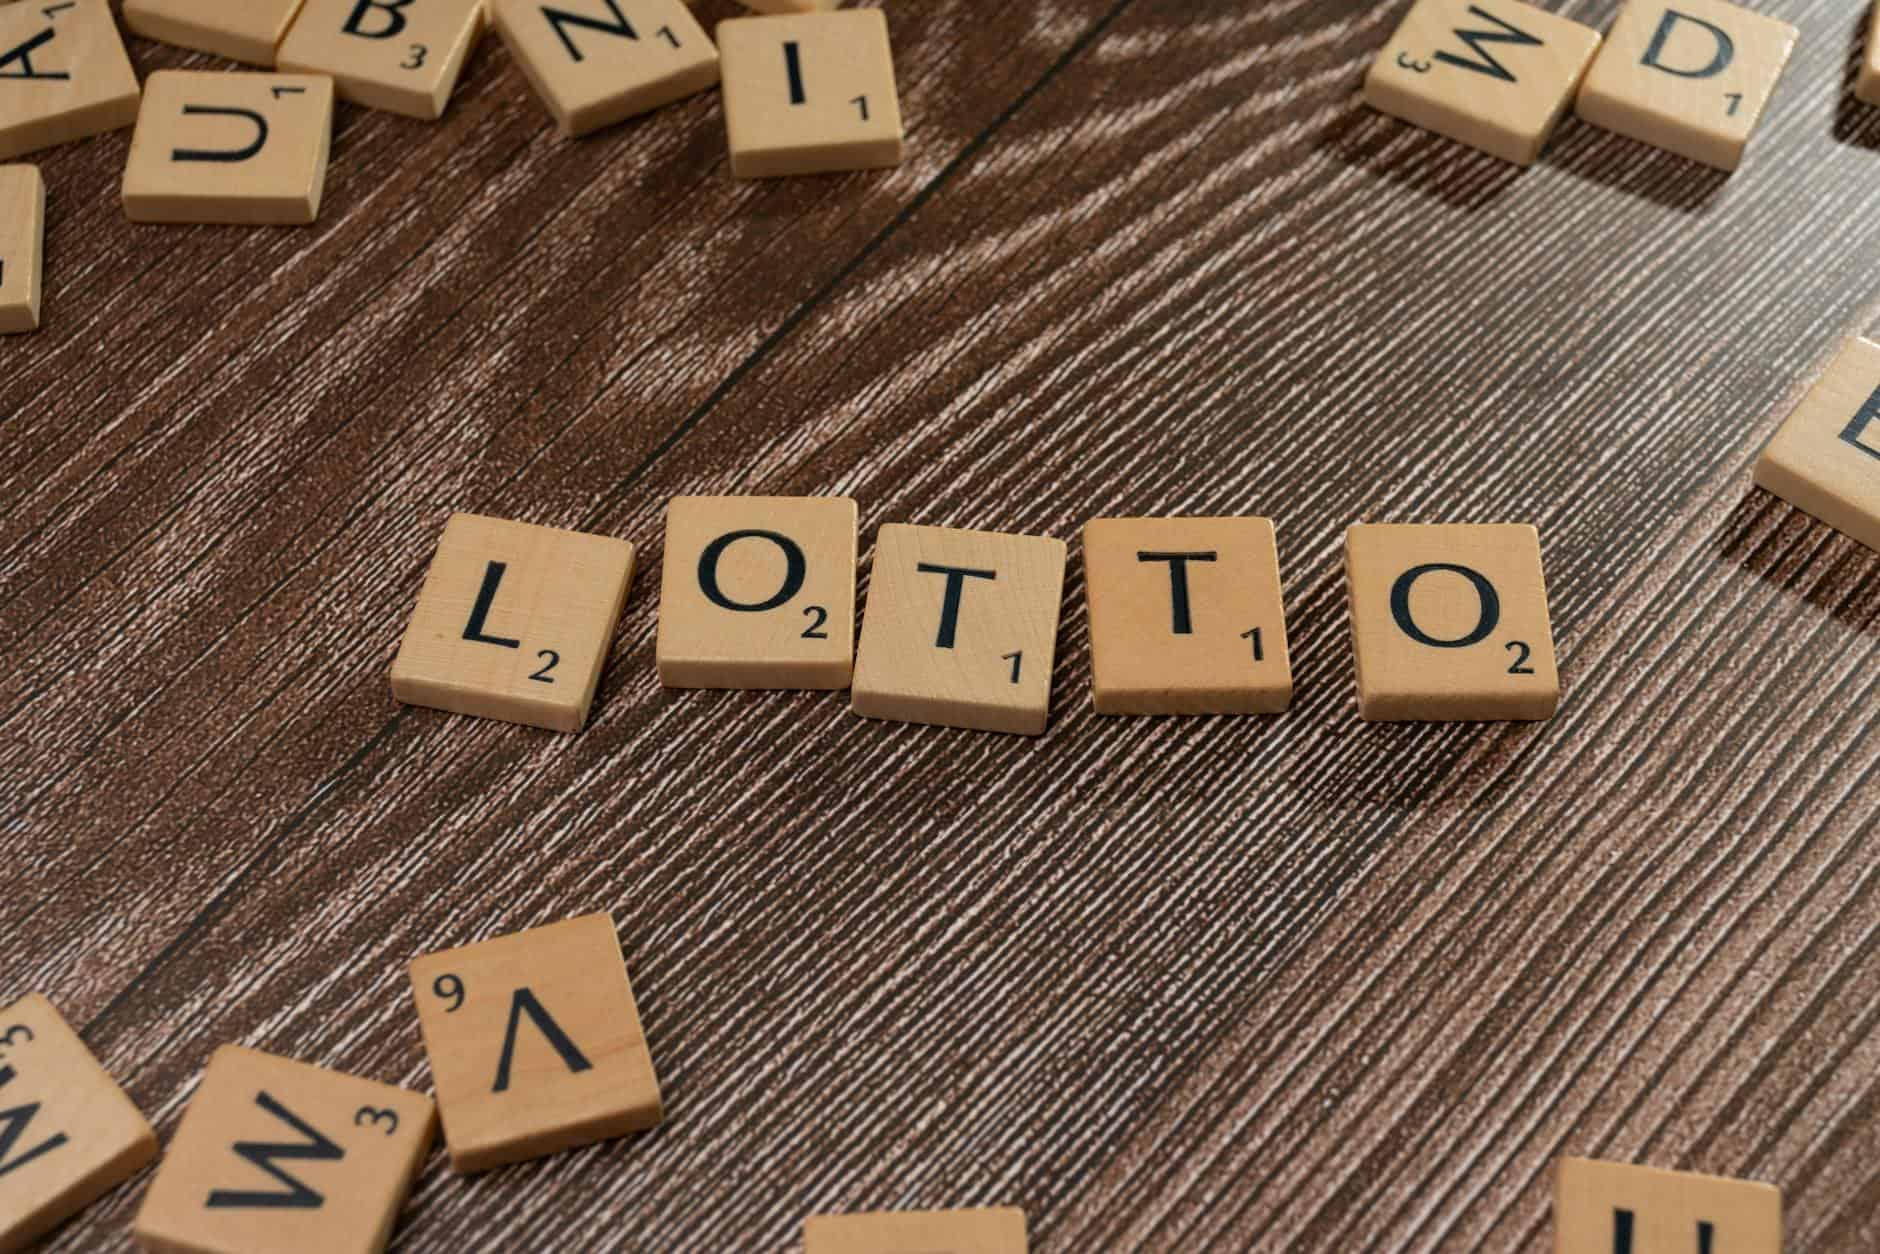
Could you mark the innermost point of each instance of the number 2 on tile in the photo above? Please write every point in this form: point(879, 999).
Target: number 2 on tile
point(1522, 653)
point(554, 660)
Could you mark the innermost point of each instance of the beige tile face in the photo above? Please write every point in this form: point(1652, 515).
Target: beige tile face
point(63, 74)
point(244, 149)
point(1450, 622)
point(1186, 616)
point(810, 93)
point(1608, 1208)
point(1867, 85)
point(74, 1134)
point(961, 629)
point(514, 622)
point(758, 592)
point(1691, 77)
point(22, 247)
point(598, 62)
point(247, 31)
point(535, 1043)
point(1826, 457)
point(981, 1230)
point(405, 59)
point(278, 1157)
point(1493, 74)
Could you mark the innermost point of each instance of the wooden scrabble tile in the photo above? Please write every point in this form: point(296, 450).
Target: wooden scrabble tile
point(68, 1134)
point(278, 1157)
point(810, 93)
point(598, 62)
point(514, 622)
point(1186, 616)
point(1867, 84)
point(960, 629)
point(535, 1043)
point(1826, 457)
point(758, 592)
point(64, 74)
point(403, 59)
point(1450, 622)
point(1616, 1208)
point(1690, 77)
point(22, 247)
point(1496, 75)
point(980, 1230)
point(243, 149)
point(249, 31)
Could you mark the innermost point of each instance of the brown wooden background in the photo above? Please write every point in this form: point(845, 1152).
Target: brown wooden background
point(1279, 984)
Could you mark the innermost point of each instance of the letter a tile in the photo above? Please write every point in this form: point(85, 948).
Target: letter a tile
point(1616, 1208)
point(278, 1157)
point(247, 31)
point(1493, 74)
point(514, 622)
point(810, 93)
point(1450, 622)
point(1185, 616)
point(978, 1230)
point(64, 75)
point(22, 247)
point(241, 149)
point(1826, 457)
point(759, 592)
point(535, 1043)
point(598, 62)
point(1690, 77)
point(68, 1134)
point(404, 58)
point(961, 629)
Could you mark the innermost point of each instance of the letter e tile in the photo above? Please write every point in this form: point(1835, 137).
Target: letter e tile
point(1826, 457)
point(535, 1043)
point(68, 1134)
point(514, 622)
point(279, 1157)
point(1450, 622)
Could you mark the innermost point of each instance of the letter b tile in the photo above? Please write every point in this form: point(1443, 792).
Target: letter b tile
point(241, 149)
point(535, 1043)
point(279, 1157)
point(1826, 457)
point(758, 592)
point(1690, 77)
point(1450, 622)
point(514, 622)
point(1617, 1208)
point(960, 629)
point(403, 56)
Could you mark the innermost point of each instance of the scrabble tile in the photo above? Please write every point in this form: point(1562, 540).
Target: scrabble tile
point(68, 1134)
point(1615, 1208)
point(22, 247)
point(1826, 457)
point(1690, 77)
point(598, 62)
point(1450, 622)
point(514, 622)
point(981, 1230)
point(248, 31)
point(960, 629)
point(810, 93)
point(64, 74)
point(1867, 84)
point(535, 1043)
point(1186, 616)
point(242, 149)
point(403, 59)
point(1493, 74)
point(758, 592)
point(278, 1157)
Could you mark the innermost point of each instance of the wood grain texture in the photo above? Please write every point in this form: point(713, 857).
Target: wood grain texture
point(1293, 983)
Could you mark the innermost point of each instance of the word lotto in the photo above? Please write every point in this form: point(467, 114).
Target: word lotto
point(536, 1046)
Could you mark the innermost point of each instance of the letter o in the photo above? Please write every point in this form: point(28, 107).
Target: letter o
point(1400, 605)
point(796, 570)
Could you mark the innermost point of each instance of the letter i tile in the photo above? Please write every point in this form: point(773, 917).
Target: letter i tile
point(535, 1043)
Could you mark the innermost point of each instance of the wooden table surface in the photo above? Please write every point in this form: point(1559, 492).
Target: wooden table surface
point(1294, 983)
